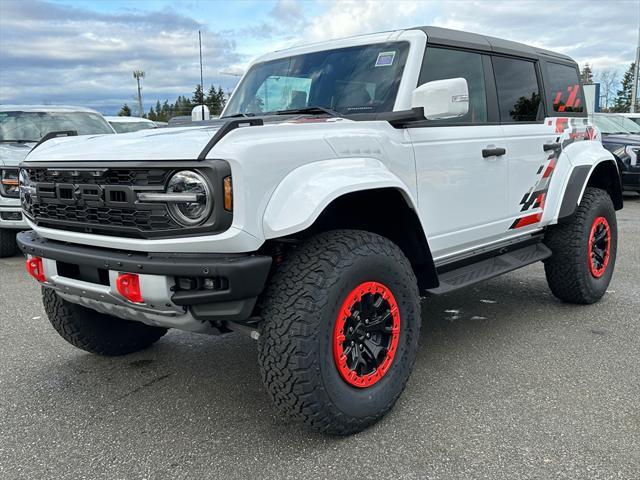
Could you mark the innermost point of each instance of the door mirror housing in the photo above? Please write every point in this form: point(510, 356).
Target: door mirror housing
point(442, 99)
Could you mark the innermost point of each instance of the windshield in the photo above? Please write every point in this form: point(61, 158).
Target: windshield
point(32, 126)
point(362, 79)
point(607, 125)
point(626, 124)
point(126, 127)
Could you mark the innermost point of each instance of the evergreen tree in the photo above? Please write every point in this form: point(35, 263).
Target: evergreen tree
point(198, 96)
point(215, 100)
point(622, 102)
point(586, 75)
point(125, 111)
point(222, 98)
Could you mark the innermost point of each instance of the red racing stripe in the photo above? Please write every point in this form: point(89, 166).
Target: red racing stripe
point(528, 220)
point(550, 168)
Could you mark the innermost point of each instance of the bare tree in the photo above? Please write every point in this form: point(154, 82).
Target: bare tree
point(608, 79)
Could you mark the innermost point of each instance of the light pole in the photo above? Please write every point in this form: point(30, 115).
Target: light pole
point(138, 74)
point(634, 89)
point(201, 77)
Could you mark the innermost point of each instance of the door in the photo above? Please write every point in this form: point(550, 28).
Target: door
point(530, 163)
point(462, 193)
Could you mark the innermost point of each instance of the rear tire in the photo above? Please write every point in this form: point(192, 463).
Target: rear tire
point(8, 245)
point(302, 353)
point(579, 271)
point(96, 332)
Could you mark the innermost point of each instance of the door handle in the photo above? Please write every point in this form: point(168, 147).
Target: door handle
point(493, 152)
point(550, 146)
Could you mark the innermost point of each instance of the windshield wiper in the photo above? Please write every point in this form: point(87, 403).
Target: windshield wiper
point(239, 115)
point(17, 141)
point(312, 110)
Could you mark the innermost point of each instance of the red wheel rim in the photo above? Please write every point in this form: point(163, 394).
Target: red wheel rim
point(366, 334)
point(599, 247)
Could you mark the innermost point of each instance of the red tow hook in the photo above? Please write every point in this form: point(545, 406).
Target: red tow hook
point(128, 285)
point(35, 269)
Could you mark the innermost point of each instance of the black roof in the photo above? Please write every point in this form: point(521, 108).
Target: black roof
point(458, 38)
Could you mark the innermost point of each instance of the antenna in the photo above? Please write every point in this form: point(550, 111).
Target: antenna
point(201, 77)
point(138, 74)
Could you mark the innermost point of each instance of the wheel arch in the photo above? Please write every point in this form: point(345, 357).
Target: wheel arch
point(603, 174)
point(385, 211)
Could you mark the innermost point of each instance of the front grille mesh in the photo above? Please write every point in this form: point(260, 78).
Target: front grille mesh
point(142, 219)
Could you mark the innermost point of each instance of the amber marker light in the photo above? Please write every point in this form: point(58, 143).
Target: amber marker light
point(228, 194)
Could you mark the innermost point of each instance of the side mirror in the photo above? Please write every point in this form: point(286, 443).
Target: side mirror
point(442, 99)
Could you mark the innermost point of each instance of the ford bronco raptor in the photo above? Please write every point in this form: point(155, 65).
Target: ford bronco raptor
point(344, 180)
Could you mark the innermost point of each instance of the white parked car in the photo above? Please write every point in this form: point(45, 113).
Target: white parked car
point(635, 117)
point(344, 180)
point(21, 128)
point(130, 124)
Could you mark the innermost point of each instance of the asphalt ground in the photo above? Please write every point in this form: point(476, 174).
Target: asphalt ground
point(509, 383)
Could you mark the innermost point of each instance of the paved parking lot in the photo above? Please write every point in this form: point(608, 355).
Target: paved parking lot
point(509, 383)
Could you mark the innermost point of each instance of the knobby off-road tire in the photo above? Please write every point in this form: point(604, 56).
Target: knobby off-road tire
point(8, 245)
point(571, 272)
point(95, 332)
point(303, 303)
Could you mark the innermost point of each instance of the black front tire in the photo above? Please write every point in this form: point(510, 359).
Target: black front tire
point(96, 332)
point(568, 270)
point(8, 245)
point(300, 311)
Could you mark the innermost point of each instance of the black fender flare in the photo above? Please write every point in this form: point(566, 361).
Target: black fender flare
point(603, 175)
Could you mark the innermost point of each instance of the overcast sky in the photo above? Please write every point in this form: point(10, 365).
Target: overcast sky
point(82, 52)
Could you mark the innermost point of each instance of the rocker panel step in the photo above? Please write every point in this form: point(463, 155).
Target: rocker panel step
point(489, 268)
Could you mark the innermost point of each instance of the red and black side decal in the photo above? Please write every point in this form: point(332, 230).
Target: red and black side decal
point(569, 131)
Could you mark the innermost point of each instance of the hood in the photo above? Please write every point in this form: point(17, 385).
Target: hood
point(152, 144)
point(621, 138)
point(11, 154)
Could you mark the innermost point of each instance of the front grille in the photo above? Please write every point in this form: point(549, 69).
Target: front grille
point(98, 200)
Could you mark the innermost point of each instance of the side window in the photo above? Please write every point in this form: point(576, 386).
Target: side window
point(518, 92)
point(442, 63)
point(564, 88)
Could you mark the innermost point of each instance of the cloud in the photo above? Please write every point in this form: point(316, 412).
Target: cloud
point(603, 33)
point(78, 55)
point(345, 19)
point(61, 54)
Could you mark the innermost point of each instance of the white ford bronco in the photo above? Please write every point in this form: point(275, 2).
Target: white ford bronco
point(344, 180)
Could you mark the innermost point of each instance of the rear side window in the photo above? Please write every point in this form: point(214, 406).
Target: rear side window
point(564, 88)
point(518, 91)
point(442, 63)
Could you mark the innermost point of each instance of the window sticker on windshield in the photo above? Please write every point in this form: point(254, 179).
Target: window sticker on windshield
point(385, 59)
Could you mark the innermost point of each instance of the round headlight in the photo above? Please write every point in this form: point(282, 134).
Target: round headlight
point(190, 212)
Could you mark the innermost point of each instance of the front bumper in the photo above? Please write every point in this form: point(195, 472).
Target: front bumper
point(11, 214)
point(87, 275)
